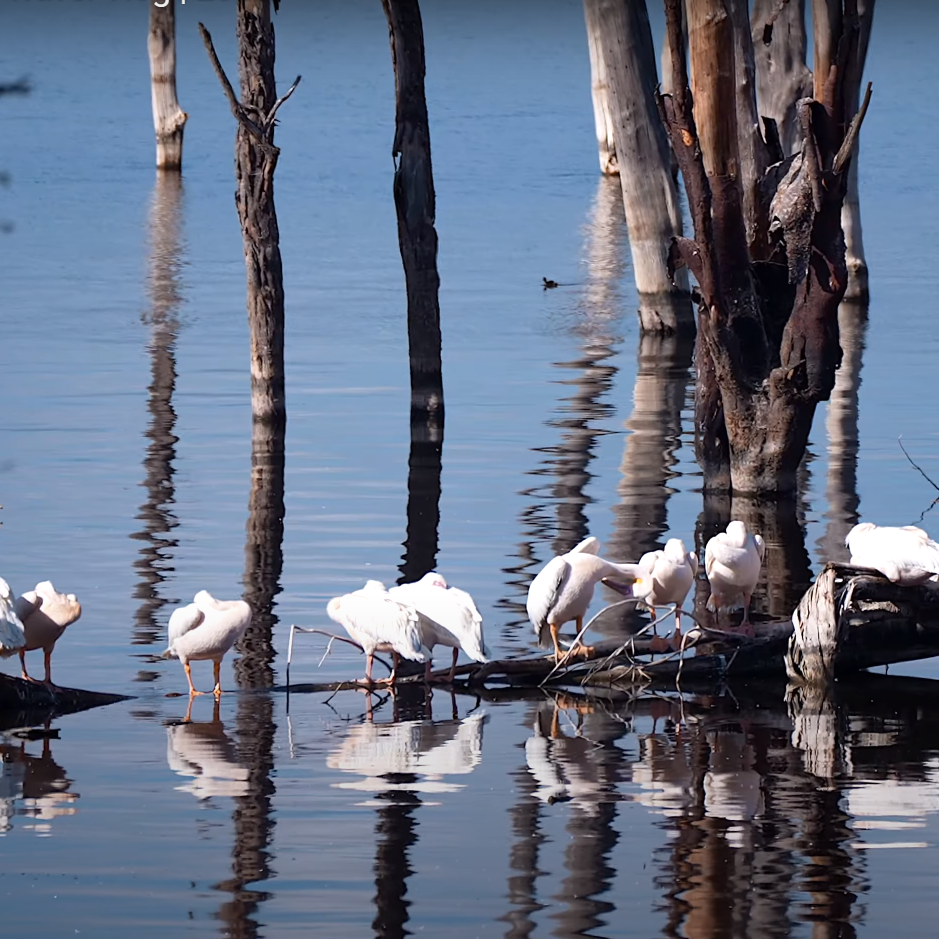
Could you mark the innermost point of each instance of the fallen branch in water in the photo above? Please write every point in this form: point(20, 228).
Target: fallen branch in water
point(332, 638)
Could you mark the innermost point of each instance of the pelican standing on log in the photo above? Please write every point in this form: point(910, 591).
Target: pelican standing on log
point(12, 637)
point(563, 588)
point(671, 572)
point(45, 614)
point(452, 618)
point(379, 623)
point(206, 629)
point(903, 555)
point(732, 562)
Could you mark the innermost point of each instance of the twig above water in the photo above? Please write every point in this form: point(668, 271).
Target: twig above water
point(918, 469)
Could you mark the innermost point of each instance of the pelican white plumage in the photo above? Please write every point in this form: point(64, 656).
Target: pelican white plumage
point(45, 614)
point(563, 588)
point(903, 555)
point(732, 562)
point(206, 629)
point(379, 623)
point(12, 635)
point(452, 618)
point(671, 571)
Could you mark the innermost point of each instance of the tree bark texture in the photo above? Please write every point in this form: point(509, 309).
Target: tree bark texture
point(169, 119)
point(768, 326)
point(783, 78)
point(415, 203)
point(255, 162)
point(650, 196)
point(600, 93)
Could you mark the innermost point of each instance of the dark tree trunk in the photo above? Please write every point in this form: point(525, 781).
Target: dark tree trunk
point(255, 162)
point(769, 331)
point(622, 38)
point(416, 209)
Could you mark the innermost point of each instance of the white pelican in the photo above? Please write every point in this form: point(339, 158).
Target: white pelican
point(453, 618)
point(12, 636)
point(672, 571)
point(903, 555)
point(45, 614)
point(563, 588)
point(206, 629)
point(732, 561)
point(379, 623)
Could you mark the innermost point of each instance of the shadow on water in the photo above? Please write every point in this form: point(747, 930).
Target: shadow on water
point(556, 514)
point(843, 444)
point(166, 259)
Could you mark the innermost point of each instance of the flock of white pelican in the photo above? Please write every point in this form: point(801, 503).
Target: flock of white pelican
point(410, 620)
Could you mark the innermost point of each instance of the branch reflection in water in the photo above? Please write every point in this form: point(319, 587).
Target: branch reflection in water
point(581, 415)
point(164, 285)
point(399, 762)
point(843, 443)
point(423, 512)
point(32, 786)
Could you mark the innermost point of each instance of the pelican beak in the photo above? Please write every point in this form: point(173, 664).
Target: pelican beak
point(625, 589)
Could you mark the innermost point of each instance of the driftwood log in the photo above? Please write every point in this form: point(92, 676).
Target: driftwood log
point(849, 620)
point(24, 703)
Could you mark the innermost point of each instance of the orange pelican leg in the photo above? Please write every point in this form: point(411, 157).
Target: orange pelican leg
point(585, 650)
point(192, 687)
point(25, 674)
point(456, 655)
point(553, 627)
point(217, 690)
point(47, 660)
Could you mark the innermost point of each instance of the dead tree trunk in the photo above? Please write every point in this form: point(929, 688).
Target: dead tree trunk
point(650, 198)
point(782, 77)
point(415, 204)
point(255, 162)
point(600, 92)
point(169, 119)
point(768, 332)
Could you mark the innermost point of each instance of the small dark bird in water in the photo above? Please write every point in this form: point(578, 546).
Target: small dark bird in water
point(549, 284)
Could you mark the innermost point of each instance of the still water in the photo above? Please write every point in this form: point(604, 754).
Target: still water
point(126, 476)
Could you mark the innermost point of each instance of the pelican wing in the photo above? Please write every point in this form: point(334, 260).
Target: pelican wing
point(450, 608)
point(544, 591)
point(12, 636)
point(712, 553)
point(760, 546)
point(387, 621)
point(693, 561)
point(183, 620)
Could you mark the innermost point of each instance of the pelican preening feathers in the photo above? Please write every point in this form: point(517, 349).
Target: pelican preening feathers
point(409, 621)
point(563, 588)
point(206, 629)
point(35, 620)
point(670, 572)
point(903, 555)
point(732, 562)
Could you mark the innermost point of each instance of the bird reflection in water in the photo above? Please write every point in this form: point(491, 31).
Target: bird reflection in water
point(33, 786)
point(165, 263)
point(398, 762)
point(204, 752)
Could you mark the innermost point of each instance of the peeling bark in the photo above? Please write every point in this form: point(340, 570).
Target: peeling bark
point(769, 343)
point(600, 93)
point(169, 119)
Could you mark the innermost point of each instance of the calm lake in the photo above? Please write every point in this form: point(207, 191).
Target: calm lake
point(125, 476)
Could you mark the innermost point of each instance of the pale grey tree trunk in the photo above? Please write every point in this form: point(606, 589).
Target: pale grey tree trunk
point(169, 119)
point(599, 88)
point(650, 196)
point(782, 77)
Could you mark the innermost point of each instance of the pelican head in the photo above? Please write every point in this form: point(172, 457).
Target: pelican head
point(675, 550)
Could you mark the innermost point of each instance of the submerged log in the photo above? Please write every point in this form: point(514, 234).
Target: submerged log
point(18, 695)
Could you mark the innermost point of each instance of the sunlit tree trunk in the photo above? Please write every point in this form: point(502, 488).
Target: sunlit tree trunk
point(623, 39)
point(768, 334)
point(169, 119)
point(415, 203)
point(600, 92)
